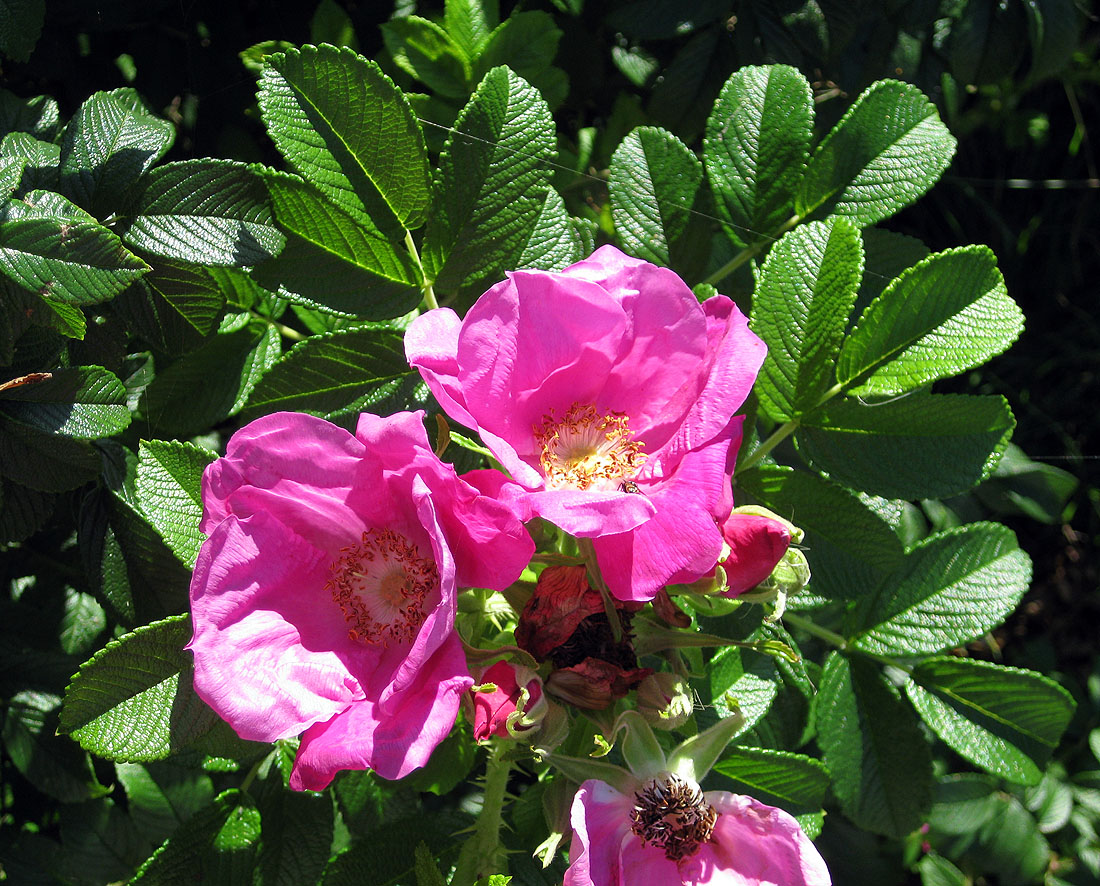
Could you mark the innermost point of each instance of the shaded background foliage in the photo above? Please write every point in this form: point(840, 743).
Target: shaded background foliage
point(1018, 83)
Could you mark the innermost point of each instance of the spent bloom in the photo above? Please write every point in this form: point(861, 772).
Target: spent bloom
point(608, 393)
point(323, 600)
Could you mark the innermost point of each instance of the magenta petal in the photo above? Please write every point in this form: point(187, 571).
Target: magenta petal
point(682, 541)
point(755, 845)
point(308, 472)
point(271, 648)
point(600, 817)
point(394, 737)
point(592, 514)
point(431, 346)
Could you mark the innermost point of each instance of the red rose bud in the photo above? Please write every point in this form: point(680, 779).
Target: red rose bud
point(509, 709)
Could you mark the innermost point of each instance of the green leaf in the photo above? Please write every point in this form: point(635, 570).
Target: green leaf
point(491, 184)
point(334, 261)
point(55, 766)
point(83, 402)
point(37, 115)
point(790, 781)
point(209, 212)
point(470, 22)
point(800, 309)
point(187, 397)
point(1053, 27)
point(919, 446)
point(133, 700)
point(1006, 720)
point(43, 461)
point(756, 145)
point(41, 159)
point(78, 262)
point(952, 587)
point(23, 511)
point(873, 747)
point(935, 870)
point(295, 832)
point(162, 796)
point(342, 373)
point(350, 132)
point(20, 26)
point(749, 681)
point(173, 308)
point(851, 547)
point(81, 623)
point(554, 242)
point(331, 24)
point(653, 185)
point(216, 845)
point(886, 151)
point(109, 143)
point(387, 854)
point(169, 491)
point(525, 42)
point(947, 314)
point(423, 50)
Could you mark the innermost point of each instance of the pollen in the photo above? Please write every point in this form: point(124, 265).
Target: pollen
point(671, 812)
point(380, 584)
point(588, 450)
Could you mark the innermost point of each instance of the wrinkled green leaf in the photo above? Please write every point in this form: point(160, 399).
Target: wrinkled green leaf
point(20, 27)
point(81, 402)
point(173, 308)
point(1006, 720)
point(211, 212)
point(756, 146)
point(554, 242)
point(525, 42)
point(886, 151)
point(424, 50)
point(879, 761)
point(169, 477)
point(952, 587)
point(792, 782)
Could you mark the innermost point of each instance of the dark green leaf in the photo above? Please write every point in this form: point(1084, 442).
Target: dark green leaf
point(333, 260)
point(43, 461)
point(491, 184)
point(109, 143)
point(40, 158)
point(747, 682)
point(1006, 720)
point(526, 43)
point(162, 796)
point(23, 511)
point(756, 145)
point(952, 587)
point(83, 403)
point(295, 832)
point(210, 212)
point(38, 115)
point(800, 309)
point(173, 308)
point(20, 27)
point(52, 764)
point(852, 549)
point(470, 22)
point(350, 132)
point(188, 396)
point(887, 254)
point(918, 446)
point(888, 149)
point(422, 49)
point(169, 478)
point(941, 317)
point(216, 845)
point(342, 373)
point(878, 759)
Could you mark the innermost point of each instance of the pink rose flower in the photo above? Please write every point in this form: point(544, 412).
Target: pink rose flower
point(323, 600)
point(757, 544)
point(608, 393)
point(493, 708)
point(669, 833)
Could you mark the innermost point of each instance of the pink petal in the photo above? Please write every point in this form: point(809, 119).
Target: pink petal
point(314, 476)
point(754, 845)
point(592, 514)
point(431, 346)
point(394, 737)
point(272, 655)
point(682, 541)
point(601, 823)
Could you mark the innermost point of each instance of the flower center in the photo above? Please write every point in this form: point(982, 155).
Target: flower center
point(585, 449)
point(380, 583)
point(670, 812)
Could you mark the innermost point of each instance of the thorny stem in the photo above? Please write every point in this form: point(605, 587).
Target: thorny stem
point(429, 293)
point(483, 854)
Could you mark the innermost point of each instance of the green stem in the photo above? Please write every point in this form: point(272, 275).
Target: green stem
point(429, 293)
point(750, 251)
point(834, 639)
point(778, 436)
point(483, 854)
point(595, 579)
